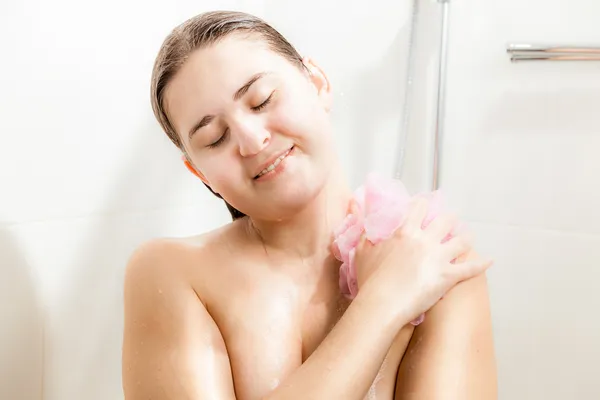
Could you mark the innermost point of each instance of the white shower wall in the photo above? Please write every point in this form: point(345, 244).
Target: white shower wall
point(87, 175)
point(521, 164)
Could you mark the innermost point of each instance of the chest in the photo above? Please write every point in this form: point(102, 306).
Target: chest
point(285, 315)
point(272, 325)
point(267, 346)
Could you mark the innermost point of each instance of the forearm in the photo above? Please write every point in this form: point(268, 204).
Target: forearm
point(348, 360)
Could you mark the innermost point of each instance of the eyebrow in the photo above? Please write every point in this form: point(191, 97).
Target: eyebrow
point(207, 119)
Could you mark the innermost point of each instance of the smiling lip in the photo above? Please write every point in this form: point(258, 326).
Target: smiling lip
point(271, 161)
point(277, 168)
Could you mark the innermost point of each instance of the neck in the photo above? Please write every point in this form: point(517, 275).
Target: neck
point(309, 233)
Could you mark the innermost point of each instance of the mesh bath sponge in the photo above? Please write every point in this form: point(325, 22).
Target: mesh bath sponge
point(381, 208)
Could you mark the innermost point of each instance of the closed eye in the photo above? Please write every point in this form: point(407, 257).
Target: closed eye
point(220, 140)
point(263, 104)
point(259, 107)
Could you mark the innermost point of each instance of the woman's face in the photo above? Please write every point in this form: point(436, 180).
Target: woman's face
point(239, 108)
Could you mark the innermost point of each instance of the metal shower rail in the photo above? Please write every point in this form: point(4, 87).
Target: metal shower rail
point(541, 52)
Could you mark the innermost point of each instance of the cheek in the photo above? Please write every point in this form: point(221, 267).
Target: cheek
point(300, 116)
point(221, 172)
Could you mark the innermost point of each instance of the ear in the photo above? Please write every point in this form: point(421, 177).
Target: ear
point(319, 79)
point(193, 170)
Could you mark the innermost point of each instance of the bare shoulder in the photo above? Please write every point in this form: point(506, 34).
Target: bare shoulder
point(151, 259)
point(160, 277)
point(169, 260)
point(160, 251)
point(172, 347)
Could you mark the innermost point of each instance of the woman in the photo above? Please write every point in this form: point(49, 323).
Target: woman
point(253, 310)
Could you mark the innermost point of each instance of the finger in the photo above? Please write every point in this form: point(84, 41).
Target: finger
point(469, 269)
point(417, 211)
point(353, 207)
point(457, 246)
point(442, 226)
point(362, 241)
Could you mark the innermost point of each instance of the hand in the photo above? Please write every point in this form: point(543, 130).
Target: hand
point(413, 268)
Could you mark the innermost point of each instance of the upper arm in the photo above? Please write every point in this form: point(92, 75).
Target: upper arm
point(172, 348)
point(451, 354)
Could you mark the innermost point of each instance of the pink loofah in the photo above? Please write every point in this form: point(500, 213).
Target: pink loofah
point(382, 205)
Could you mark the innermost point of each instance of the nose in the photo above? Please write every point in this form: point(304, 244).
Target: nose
point(252, 136)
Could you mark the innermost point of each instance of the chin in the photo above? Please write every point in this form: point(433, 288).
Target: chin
point(299, 193)
point(292, 197)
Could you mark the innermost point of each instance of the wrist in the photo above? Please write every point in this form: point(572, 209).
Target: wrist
point(386, 307)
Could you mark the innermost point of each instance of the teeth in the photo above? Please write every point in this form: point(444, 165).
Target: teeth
point(274, 165)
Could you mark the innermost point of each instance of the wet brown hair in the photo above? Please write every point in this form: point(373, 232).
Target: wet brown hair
point(199, 32)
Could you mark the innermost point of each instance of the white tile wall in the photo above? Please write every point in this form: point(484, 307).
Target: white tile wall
point(520, 164)
point(21, 323)
point(521, 139)
point(545, 304)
